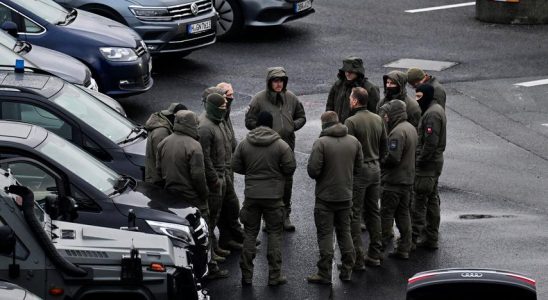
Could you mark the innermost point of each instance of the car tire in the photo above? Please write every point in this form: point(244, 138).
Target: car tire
point(230, 21)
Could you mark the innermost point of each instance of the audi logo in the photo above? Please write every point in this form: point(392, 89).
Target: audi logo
point(471, 275)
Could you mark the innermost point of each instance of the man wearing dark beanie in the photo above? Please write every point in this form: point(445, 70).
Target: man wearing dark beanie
point(265, 160)
point(215, 146)
point(159, 125)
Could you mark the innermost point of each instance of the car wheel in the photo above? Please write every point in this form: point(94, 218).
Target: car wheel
point(230, 21)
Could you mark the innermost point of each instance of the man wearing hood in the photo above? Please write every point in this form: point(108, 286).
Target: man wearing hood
point(398, 174)
point(369, 129)
point(351, 75)
point(159, 125)
point(394, 88)
point(265, 160)
point(288, 116)
point(215, 145)
point(416, 77)
point(335, 158)
point(429, 164)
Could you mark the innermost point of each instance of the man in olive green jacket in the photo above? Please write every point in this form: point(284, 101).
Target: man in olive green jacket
point(335, 158)
point(288, 115)
point(416, 77)
point(429, 164)
point(394, 88)
point(369, 129)
point(351, 75)
point(398, 174)
point(265, 160)
point(159, 125)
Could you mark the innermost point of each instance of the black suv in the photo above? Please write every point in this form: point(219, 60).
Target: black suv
point(54, 169)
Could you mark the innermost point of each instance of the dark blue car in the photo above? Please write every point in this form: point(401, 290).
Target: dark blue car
point(116, 55)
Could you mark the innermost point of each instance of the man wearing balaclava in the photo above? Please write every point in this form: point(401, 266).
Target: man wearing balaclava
point(394, 88)
point(398, 175)
point(288, 116)
point(351, 75)
point(159, 125)
point(429, 164)
point(416, 77)
point(215, 146)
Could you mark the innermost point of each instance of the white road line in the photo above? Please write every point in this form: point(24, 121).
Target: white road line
point(545, 124)
point(412, 11)
point(533, 83)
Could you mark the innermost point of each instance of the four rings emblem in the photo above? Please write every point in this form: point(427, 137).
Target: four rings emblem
point(471, 275)
point(194, 8)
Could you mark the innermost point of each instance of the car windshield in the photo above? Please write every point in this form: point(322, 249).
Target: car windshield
point(45, 9)
point(7, 40)
point(94, 113)
point(80, 163)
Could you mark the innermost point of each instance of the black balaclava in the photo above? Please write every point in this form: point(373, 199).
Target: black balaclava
point(264, 118)
point(428, 96)
point(177, 108)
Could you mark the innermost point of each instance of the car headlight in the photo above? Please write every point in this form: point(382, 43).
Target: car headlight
point(176, 231)
point(150, 13)
point(119, 54)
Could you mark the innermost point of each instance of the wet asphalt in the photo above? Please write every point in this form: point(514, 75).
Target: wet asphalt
point(494, 185)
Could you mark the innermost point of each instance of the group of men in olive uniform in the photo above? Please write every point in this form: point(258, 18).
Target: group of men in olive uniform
point(369, 151)
point(382, 165)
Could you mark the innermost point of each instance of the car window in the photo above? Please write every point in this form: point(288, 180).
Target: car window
point(45, 9)
point(5, 14)
point(35, 115)
point(93, 112)
point(31, 27)
point(40, 182)
point(28, 26)
point(80, 163)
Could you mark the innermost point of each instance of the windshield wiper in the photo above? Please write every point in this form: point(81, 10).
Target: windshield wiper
point(69, 17)
point(122, 183)
point(22, 46)
point(138, 131)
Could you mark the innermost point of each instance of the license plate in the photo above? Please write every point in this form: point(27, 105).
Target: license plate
point(303, 6)
point(199, 27)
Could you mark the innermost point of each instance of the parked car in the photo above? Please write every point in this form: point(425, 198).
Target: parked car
point(470, 283)
point(77, 115)
point(167, 26)
point(15, 292)
point(116, 55)
point(61, 260)
point(235, 14)
point(57, 171)
point(57, 63)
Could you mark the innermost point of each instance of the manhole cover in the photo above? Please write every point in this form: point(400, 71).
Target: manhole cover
point(430, 65)
point(482, 216)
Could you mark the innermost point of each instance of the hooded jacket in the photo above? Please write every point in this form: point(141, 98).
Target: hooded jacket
point(398, 167)
point(413, 109)
point(337, 100)
point(369, 129)
point(287, 111)
point(432, 140)
point(158, 128)
point(439, 91)
point(265, 159)
point(217, 148)
point(335, 158)
point(180, 161)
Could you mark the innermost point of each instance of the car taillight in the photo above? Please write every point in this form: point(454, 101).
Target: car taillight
point(419, 278)
point(529, 281)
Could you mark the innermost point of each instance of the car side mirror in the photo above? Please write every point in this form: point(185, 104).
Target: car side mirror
point(11, 28)
point(52, 207)
point(68, 209)
point(7, 240)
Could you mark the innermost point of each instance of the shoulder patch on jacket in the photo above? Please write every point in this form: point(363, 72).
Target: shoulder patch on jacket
point(393, 144)
point(429, 129)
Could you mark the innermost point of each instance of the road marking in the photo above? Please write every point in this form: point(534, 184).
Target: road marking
point(533, 83)
point(545, 124)
point(412, 11)
point(430, 65)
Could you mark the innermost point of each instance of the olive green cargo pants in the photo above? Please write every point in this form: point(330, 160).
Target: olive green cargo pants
point(426, 209)
point(395, 205)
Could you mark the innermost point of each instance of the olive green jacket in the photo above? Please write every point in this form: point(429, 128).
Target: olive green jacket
point(369, 129)
point(158, 128)
point(398, 167)
point(180, 162)
point(335, 158)
point(432, 140)
point(265, 159)
point(286, 109)
point(413, 108)
point(439, 91)
point(216, 146)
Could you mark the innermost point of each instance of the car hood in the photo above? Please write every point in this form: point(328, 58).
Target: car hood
point(105, 31)
point(136, 151)
point(160, 3)
point(59, 64)
point(147, 196)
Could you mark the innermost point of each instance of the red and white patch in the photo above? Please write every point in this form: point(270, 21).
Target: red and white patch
point(429, 130)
